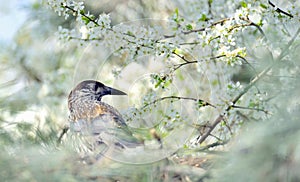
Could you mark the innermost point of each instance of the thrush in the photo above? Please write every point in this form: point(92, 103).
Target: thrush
point(90, 116)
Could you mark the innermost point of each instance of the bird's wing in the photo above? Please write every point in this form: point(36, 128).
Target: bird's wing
point(106, 122)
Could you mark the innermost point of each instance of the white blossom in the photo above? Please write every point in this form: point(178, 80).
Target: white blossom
point(84, 32)
point(104, 21)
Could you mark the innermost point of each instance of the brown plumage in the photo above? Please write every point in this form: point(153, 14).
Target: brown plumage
point(90, 116)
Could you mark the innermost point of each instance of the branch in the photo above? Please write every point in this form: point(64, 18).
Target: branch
point(239, 25)
point(227, 126)
point(280, 10)
point(182, 57)
point(176, 67)
point(218, 143)
point(204, 103)
point(250, 108)
point(210, 129)
point(203, 29)
point(200, 29)
point(214, 136)
point(210, 7)
point(189, 43)
point(250, 23)
point(245, 60)
point(253, 24)
point(86, 40)
point(81, 13)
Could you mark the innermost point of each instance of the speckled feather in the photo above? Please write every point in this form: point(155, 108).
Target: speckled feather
point(90, 109)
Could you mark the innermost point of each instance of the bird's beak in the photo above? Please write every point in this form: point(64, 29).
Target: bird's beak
point(112, 91)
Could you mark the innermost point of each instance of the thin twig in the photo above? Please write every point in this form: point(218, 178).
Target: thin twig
point(179, 98)
point(210, 7)
point(200, 29)
point(203, 29)
point(218, 143)
point(216, 137)
point(81, 13)
point(245, 60)
point(227, 126)
point(243, 116)
point(250, 108)
point(280, 10)
point(176, 67)
point(86, 40)
point(250, 23)
point(189, 43)
point(210, 129)
point(181, 57)
point(216, 23)
point(239, 25)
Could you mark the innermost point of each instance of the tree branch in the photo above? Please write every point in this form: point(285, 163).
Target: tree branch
point(253, 24)
point(176, 67)
point(218, 143)
point(81, 13)
point(250, 108)
point(182, 57)
point(200, 29)
point(204, 103)
point(245, 60)
point(280, 10)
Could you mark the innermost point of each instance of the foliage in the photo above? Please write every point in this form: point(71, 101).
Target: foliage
point(204, 77)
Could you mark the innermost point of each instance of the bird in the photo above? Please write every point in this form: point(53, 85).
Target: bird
point(91, 117)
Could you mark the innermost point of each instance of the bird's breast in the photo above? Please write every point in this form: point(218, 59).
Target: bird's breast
point(87, 110)
point(94, 114)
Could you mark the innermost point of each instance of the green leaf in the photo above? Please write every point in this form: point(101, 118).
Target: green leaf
point(158, 83)
point(176, 19)
point(177, 51)
point(243, 4)
point(130, 33)
point(223, 123)
point(189, 27)
point(263, 6)
point(260, 23)
point(201, 103)
point(176, 12)
point(85, 19)
point(203, 18)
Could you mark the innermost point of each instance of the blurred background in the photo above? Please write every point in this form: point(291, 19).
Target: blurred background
point(38, 70)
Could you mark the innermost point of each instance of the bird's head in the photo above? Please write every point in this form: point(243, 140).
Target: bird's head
point(94, 90)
